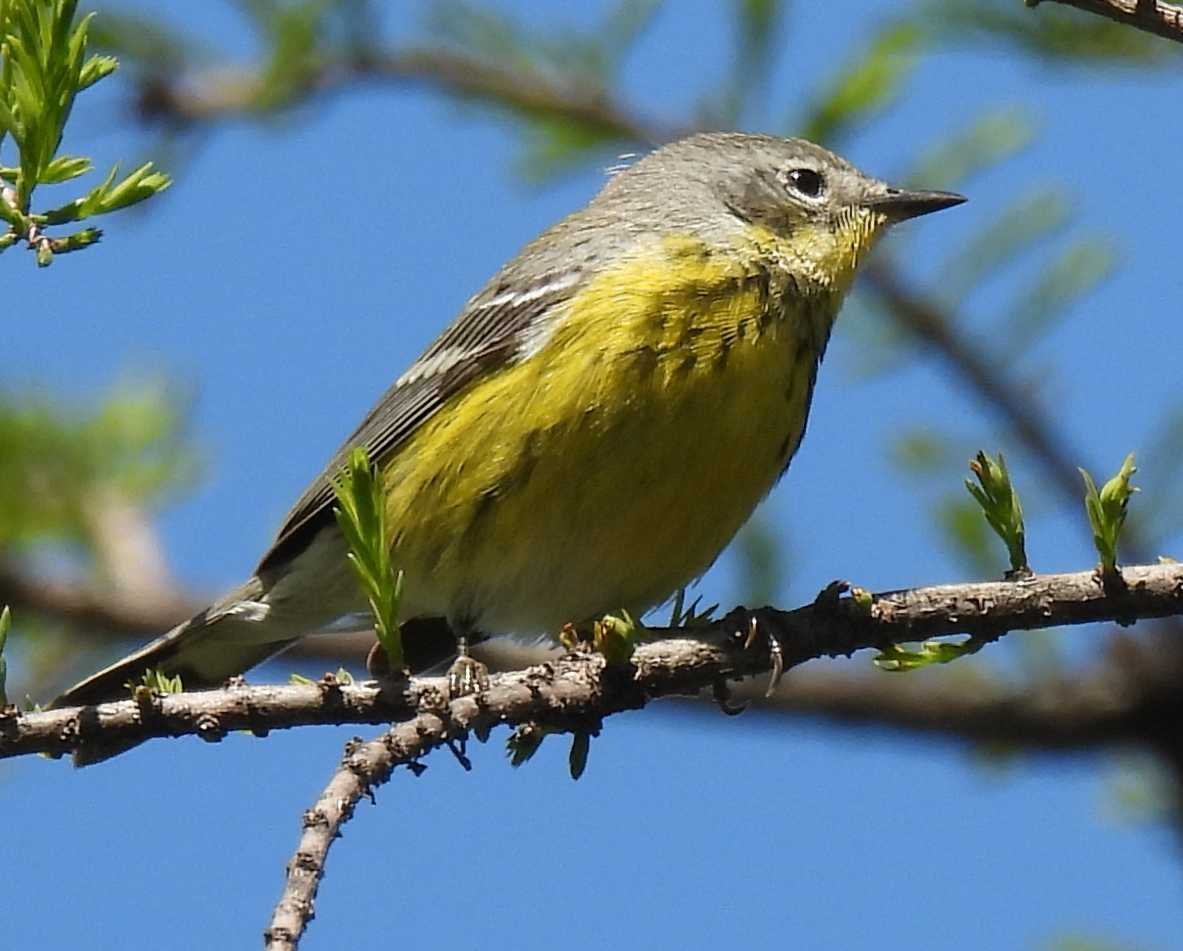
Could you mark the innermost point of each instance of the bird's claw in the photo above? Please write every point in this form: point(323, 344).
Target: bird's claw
point(776, 656)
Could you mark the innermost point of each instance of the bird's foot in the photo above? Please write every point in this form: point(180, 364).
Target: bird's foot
point(467, 675)
point(752, 633)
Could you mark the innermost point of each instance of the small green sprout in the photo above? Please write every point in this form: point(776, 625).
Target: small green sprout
point(1000, 504)
point(361, 514)
point(617, 637)
point(155, 682)
point(1107, 511)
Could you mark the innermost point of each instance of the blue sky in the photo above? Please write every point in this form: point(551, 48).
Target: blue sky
point(294, 271)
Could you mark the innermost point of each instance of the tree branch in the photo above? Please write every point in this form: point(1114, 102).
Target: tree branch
point(584, 696)
point(577, 688)
point(230, 93)
point(1152, 16)
point(1121, 702)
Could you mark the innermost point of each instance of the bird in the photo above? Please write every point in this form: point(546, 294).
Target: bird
point(595, 425)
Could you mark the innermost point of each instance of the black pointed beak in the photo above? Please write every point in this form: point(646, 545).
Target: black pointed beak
point(900, 204)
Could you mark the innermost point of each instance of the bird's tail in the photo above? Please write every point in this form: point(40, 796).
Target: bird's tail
point(225, 639)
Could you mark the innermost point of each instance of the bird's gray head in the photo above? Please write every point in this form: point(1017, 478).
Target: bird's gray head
point(819, 210)
point(762, 178)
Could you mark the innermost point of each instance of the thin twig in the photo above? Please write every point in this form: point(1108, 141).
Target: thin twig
point(576, 687)
point(1152, 16)
point(363, 767)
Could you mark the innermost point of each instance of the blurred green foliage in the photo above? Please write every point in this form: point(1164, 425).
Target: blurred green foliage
point(57, 462)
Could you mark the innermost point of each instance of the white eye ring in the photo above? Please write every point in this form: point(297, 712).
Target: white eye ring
point(808, 183)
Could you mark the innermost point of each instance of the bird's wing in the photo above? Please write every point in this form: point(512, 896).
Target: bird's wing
point(488, 334)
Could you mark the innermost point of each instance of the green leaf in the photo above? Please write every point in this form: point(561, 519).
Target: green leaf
point(897, 660)
point(65, 167)
point(1106, 511)
point(139, 184)
point(95, 69)
point(1000, 504)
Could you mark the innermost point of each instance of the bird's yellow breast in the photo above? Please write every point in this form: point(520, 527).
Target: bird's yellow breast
point(613, 464)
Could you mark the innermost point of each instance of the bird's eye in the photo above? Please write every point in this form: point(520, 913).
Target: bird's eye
point(807, 182)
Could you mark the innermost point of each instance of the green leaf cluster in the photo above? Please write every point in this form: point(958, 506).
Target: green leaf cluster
point(156, 683)
point(44, 65)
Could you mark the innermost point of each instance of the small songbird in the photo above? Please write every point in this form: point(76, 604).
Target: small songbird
point(597, 423)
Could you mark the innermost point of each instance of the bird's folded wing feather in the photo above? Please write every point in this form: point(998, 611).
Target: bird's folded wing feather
point(488, 334)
